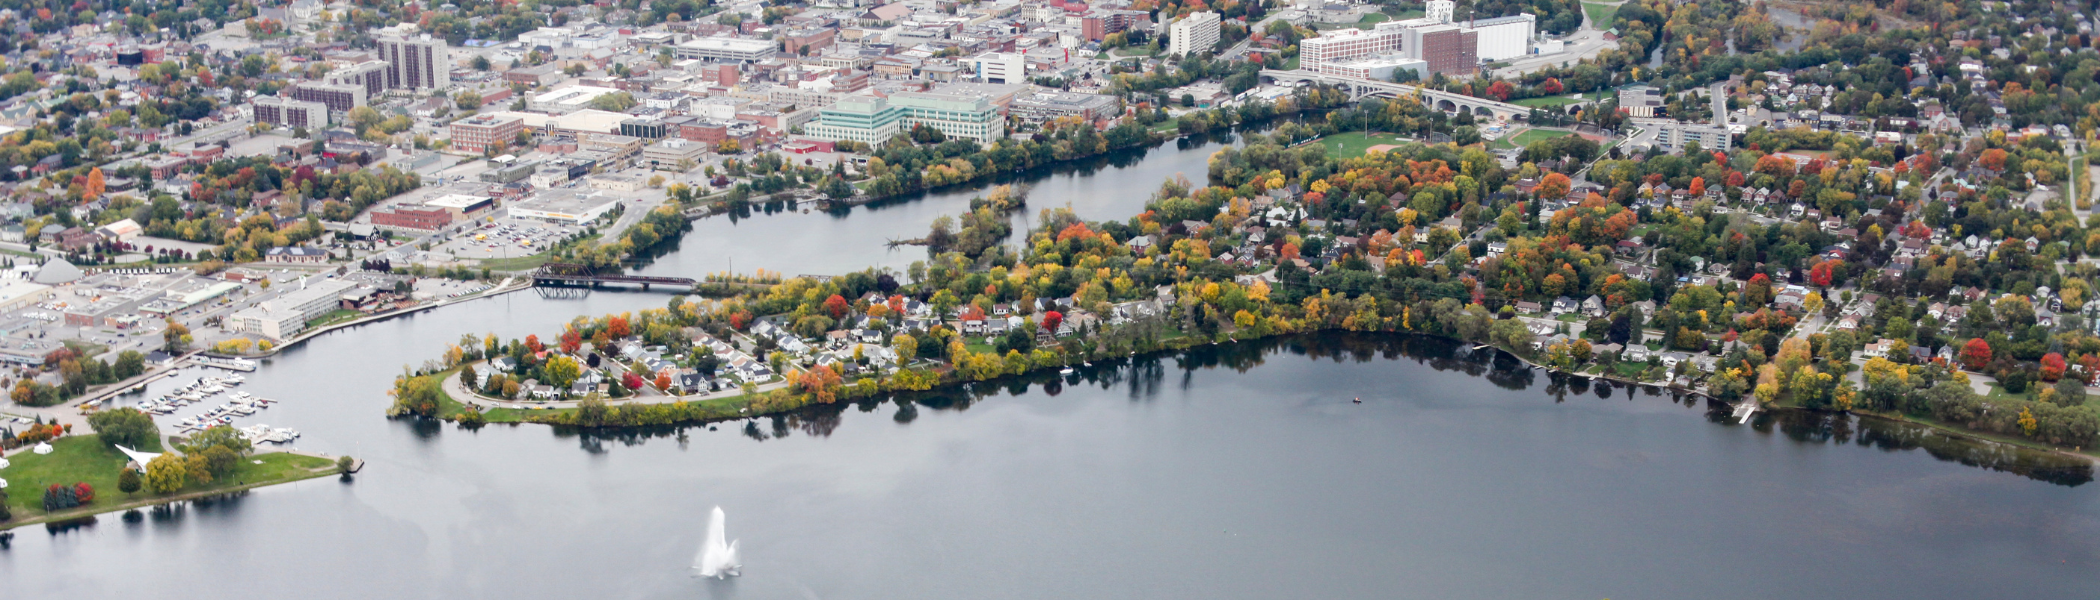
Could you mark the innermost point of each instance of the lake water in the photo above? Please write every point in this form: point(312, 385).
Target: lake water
point(1236, 472)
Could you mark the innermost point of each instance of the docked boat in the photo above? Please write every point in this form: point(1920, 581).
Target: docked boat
point(233, 364)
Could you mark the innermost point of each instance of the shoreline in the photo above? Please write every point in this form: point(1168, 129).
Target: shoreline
point(509, 285)
point(529, 415)
point(141, 501)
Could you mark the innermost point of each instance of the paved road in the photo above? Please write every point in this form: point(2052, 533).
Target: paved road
point(1586, 42)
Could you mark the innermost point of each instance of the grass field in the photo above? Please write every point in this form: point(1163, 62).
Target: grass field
point(335, 316)
point(1600, 14)
point(1355, 143)
point(1531, 136)
point(523, 263)
point(85, 459)
point(1372, 20)
point(1549, 101)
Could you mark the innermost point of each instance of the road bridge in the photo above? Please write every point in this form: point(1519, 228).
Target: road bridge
point(1437, 99)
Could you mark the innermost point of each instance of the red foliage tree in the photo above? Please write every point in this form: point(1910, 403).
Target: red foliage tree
point(1500, 90)
point(84, 492)
point(571, 341)
point(739, 319)
point(1075, 230)
point(618, 327)
point(837, 306)
point(1975, 354)
point(532, 342)
point(2052, 366)
point(663, 381)
point(1551, 86)
point(1698, 187)
point(631, 380)
point(1051, 320)
point(1993, 159)
point(1735, 179)
point(1823, 273)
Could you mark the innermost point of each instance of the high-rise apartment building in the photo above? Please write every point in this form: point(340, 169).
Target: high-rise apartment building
point(290, 112)
point(370, 75)
point(419, 63)
point(339, 97)
point(1194, 34)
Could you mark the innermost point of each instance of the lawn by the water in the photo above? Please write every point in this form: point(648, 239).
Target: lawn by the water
point(1356, 143)
point(85, 459)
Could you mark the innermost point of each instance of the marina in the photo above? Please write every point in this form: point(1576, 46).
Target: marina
point(211, 401)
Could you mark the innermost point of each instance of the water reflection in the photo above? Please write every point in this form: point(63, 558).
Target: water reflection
point(1142, 376)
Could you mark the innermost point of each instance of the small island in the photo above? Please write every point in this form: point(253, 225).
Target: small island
point(52, 476)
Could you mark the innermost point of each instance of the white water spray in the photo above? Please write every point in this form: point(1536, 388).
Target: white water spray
point(717, 557)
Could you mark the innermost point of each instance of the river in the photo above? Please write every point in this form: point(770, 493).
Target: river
point(1244, 471)
point(793, 242)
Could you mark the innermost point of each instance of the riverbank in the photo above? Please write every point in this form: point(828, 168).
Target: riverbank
point(85, 459)
point(508, 285)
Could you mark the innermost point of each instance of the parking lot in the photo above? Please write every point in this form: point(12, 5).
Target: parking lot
point(429, 288)
point(507, 238)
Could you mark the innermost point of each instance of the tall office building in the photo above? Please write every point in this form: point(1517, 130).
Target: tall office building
point(1194, 34)
point(419, 63)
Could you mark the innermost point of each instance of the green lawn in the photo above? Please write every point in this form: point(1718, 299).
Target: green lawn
point(85, 459)
point(1290, 64)
point(1356, 143)
point(1549, 101)
point(523, 263)
point(336, 316)
point(1372, 20)
point(1600, 14)
point(1530, 136)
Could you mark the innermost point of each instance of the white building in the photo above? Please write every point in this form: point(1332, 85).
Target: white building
point(1194, 34)
point(1504, 38)
point(1000, 67)
point(726, 49)
point(286, 315)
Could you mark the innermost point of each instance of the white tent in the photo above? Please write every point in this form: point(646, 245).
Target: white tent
point(3, 484)
point(41, 448)
point(4, 463)
point(139, 457)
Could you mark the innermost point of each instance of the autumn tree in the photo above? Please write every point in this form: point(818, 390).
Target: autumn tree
point(1554, 185)
point(1976, 354)
point(2052, 366)
point(837, 306)
point(166, 474)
